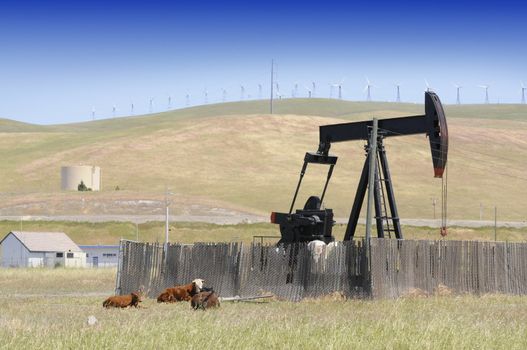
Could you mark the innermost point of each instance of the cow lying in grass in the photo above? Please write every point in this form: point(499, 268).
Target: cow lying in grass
point(181, 293)
point(123, 301)
point(205, 300)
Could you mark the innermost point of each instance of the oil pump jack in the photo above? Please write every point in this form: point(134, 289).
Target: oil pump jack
point(313, 222)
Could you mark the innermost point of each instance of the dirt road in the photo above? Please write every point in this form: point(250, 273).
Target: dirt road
point(244, 218)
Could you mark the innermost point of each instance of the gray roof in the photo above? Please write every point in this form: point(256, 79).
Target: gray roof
point(45, 241)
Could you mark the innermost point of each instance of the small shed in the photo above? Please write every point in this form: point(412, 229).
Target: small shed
point(101, 255)
point(40, 249)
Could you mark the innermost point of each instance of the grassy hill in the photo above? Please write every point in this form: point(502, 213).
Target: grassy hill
point(236, 156)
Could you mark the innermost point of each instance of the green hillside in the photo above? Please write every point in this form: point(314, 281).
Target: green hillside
point(236, 156)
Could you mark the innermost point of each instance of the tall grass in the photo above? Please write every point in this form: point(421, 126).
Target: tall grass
point(39, 281)
point(48, 309)
point(490, 322)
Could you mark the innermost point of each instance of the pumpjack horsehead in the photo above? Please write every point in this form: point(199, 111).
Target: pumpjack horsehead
point(315, 223)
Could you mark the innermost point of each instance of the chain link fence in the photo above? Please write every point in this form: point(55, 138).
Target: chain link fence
point(390, 268)
point(398, 267)
point(290, 272)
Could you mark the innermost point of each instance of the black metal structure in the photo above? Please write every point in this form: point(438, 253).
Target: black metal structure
point(312, 222)
point(315, 223)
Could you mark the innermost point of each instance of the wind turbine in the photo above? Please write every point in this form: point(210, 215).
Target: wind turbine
point(458, 98)
point(309, 91)
point(295, 90)
point(339, 86)
point(486, 87)
point(242, 92)
point(223, 95)
point(523, 92)
point(187, 99)
point(132, 109)
point(206, 96)
point(151, 104)
point(314, 88)
point(428, 88)
point(113, 110)
point(259, 91)
point(398, 91)
point(280, 95)
point(93, 113)
point(169, 106)
point(368, 87)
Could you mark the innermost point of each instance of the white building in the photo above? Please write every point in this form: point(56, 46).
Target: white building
point(71, 177)
point(101, 255)
point(40, 249)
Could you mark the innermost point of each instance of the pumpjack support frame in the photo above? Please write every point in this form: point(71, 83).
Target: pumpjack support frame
point(381, 217)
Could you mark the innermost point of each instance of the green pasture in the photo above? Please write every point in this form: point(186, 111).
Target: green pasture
point(187, 232)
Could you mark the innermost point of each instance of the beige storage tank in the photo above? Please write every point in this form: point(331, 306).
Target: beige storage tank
point(71, 177)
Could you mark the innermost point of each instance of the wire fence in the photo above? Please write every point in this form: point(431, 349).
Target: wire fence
point(398, 267)
point(390, 268)
point(289, 272)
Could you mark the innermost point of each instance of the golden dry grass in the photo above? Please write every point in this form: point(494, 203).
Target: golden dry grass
point(43, 309)
point(250, 161)
point(489, 322)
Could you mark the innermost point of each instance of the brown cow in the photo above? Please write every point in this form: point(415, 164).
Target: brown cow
point(181, 293)
point(205, 300)
point(165, 297)
point(123, 301)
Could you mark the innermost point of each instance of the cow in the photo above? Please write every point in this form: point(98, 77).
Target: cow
point(181, 293)
point(317, 249)
point(205, 300)
point(123, 301)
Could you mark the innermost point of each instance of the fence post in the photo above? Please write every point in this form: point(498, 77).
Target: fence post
point(495, 223)
point(237, 267)
point(119, 269)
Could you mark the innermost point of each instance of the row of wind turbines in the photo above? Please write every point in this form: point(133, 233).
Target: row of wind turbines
point(369, 86)
point(335, 91)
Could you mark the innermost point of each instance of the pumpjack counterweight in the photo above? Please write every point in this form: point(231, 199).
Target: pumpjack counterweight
point(313, 222)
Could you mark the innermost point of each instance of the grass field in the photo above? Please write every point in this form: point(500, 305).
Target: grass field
point(186, 232)
point(51, 320)
point(238, 157)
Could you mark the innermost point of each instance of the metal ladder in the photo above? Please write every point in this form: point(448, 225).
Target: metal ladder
point(385, 219)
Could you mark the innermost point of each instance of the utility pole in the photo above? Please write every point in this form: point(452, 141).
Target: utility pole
point(434, 202)
point(495, 224)
point(167, 203)
point(166, 223)
point(372, 153)
point(272, 84)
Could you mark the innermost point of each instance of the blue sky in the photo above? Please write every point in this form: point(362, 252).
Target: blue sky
point(58, 60)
